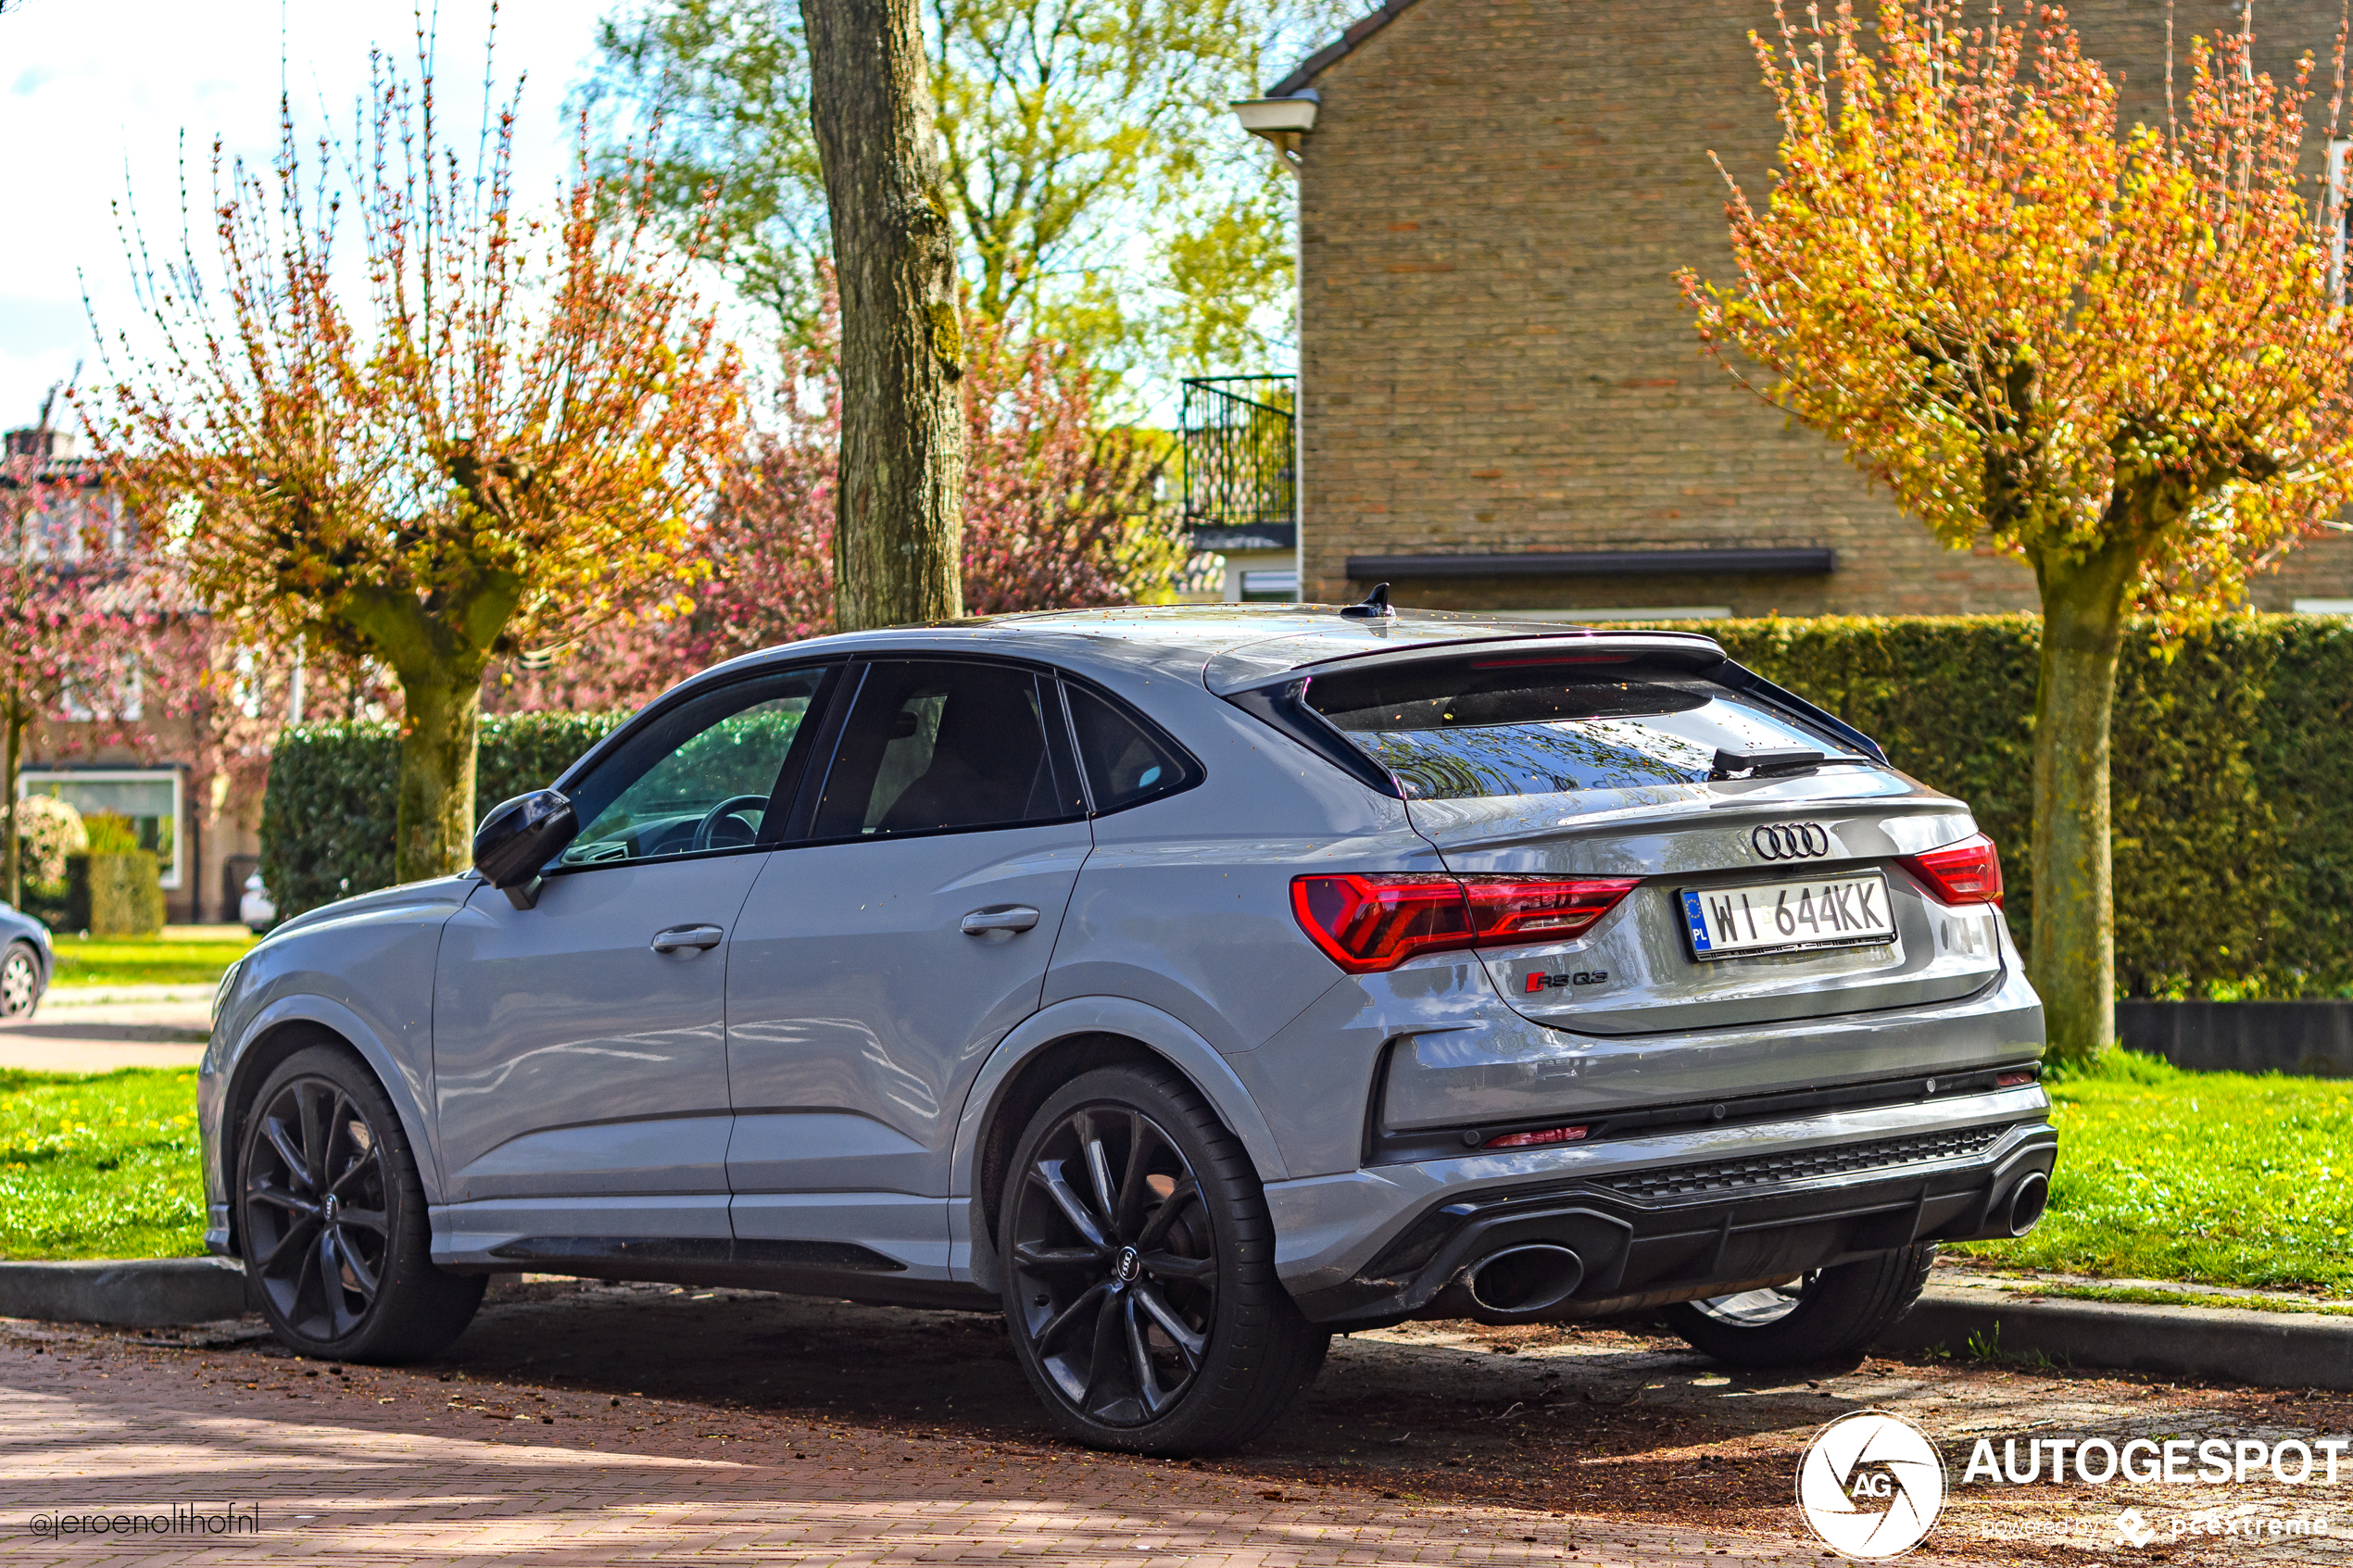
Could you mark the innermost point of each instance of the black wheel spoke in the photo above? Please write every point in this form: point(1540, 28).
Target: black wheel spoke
point(1185, 1191)
point(1191, 1342)
point(364, 1166)
point(1049, 1175)
point(1168, 1266)
point(289, 1152)
point(1071, 1314)
point(290, 1248)
point(1103, 1356)
point(1099, 1173)
point(1030, 1255)
point(359, 1276)
point(1132, 1186)
point(277, 1198)
point(1140, 1359)
point(314, 1138)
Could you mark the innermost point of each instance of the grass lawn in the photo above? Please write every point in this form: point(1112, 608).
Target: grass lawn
point(100, 1167)
point(2221, 1178)
point(194, 957)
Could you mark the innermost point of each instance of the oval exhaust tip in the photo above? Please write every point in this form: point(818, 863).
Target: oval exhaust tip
point(1525, 1280)
point(2028, 1199)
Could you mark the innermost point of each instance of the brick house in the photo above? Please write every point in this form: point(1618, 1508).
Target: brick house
point(204, 833)
point(1502, 401)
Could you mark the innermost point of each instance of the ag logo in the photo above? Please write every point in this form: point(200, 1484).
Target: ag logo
point(1871, 1484)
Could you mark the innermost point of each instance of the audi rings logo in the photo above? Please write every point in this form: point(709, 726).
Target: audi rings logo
point(1791, 841)
point(1871, 1484)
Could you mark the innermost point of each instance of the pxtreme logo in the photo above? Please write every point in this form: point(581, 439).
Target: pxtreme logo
point(1871, 1484)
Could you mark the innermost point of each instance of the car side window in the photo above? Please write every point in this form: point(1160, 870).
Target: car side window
point(1126, 762)
point(702, 777)
point(934, 745)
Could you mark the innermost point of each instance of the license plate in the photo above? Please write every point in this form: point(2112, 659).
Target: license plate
point(1780, 916)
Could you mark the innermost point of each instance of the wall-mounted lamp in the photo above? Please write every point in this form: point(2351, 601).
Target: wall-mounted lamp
point(1283, 121)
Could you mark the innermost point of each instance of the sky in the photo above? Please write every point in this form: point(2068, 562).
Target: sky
point(96, 93)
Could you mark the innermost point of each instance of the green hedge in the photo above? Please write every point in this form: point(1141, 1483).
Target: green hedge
point(326, 822)
point(2232, 778)
point(2233, 781)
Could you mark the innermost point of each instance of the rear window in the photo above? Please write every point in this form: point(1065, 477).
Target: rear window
point(1462, 729)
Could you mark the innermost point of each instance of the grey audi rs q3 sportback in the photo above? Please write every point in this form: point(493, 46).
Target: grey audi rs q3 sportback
point(1187, 985)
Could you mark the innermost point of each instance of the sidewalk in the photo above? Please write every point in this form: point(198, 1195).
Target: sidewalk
point(100, 1028)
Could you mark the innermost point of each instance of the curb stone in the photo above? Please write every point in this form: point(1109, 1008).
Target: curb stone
point(2235, 1345)
point(124, 1292)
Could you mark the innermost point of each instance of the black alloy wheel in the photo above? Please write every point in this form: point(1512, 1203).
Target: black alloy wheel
point(1139, 1264)
point(331, 1220)
point(315, 1198)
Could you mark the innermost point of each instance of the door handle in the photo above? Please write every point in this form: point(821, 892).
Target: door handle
point(1010, 918)
point(677, 936)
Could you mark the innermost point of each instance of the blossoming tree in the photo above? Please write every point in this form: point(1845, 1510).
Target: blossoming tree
point(2117, 355)
point(506, 438)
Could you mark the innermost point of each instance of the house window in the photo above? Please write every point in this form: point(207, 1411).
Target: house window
point(1269, 587)
point(150, 797)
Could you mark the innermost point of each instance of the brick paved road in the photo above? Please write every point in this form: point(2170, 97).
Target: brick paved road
point(624, 1424)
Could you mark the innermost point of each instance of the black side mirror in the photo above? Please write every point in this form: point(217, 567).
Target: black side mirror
point(519, 836)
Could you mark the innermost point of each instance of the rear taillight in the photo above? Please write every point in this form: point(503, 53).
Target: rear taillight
point(1967, 873)
point(1365, 924)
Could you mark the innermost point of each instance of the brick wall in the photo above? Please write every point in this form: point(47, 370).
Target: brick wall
point(1493, 204)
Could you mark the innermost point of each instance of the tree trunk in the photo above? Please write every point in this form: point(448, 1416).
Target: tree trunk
point(434, 824)
point(2072, 957)
point(11, 856)
point(898, 517)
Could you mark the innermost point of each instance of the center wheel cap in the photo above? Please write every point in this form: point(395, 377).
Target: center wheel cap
point(1129, 1266)
point(331, 1205)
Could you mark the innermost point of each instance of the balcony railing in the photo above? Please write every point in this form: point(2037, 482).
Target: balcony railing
point(1239, 463)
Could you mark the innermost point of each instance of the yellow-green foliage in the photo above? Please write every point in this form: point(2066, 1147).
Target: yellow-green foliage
point(100, 1167)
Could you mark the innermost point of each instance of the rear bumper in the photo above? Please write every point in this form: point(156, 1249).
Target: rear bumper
point(1662, 1218)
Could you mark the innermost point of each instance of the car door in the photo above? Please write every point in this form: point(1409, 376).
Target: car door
point(580, 1059)
point(881, 956)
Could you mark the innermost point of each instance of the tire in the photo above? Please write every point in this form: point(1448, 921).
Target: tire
point(1831, 1312)
point(331, 1217)
point(19, 981)
point(1138, 1259)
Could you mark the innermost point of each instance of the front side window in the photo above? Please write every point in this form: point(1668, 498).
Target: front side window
point(1462, 729)
point(932, 745)
point(700, 777)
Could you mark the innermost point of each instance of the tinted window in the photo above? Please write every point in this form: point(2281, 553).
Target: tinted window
point(724, 748)
point(1462, 729)
point(933, 745)
point(1125, 762)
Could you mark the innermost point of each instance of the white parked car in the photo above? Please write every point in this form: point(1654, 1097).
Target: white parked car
point(257, 909)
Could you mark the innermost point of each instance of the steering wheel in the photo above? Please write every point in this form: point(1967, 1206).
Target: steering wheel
point(712, 818)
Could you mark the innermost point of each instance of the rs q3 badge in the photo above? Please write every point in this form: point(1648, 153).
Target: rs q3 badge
point(1537, 983)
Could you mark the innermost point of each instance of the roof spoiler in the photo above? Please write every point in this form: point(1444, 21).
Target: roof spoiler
point(1741, 678)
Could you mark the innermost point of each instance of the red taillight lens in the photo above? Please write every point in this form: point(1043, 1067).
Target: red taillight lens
point(1365, 923)
point(1508, 910)
point(1967, 873)
point(1532, 1140)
